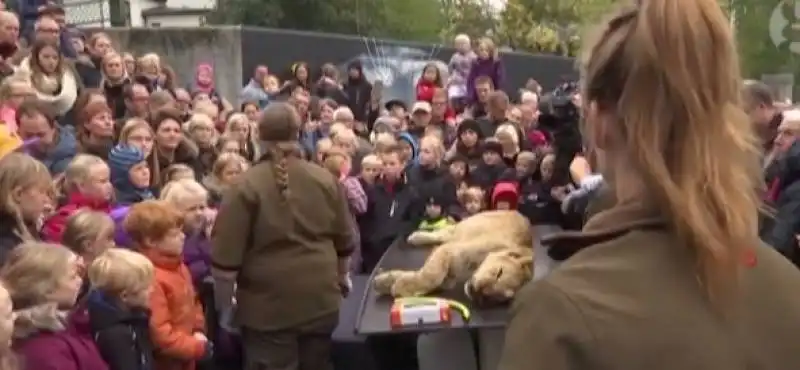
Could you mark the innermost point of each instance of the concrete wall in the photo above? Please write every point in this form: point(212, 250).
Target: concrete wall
point(184, 48)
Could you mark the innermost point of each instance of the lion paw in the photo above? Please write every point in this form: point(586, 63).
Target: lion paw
point(408, 287)
point(419, 238)
point(383, 282)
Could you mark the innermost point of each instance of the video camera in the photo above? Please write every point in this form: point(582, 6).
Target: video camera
point(560, 118)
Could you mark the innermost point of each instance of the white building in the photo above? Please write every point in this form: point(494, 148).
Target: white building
point(140, 13)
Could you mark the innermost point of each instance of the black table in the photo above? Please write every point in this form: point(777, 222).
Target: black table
point(373, 317)
point(350, 351)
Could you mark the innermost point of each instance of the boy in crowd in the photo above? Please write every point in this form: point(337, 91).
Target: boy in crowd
point(393, 209)
point(118, 308)
point(177, 321)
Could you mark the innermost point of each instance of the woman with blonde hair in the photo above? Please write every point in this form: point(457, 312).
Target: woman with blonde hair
point(50, 331)
point(115, 78)
point(239, 127)
point(285, 220)
point(27, 189)
point(13, 91)
point(672, 275)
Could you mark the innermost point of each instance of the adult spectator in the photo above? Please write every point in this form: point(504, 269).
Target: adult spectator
point(254, 91)
point(254, 240)
point(764, 115)
point(783, 191)
point(53, 145)
point(328, 86)
point(9, 35)
point(678, 157)
point(59, 15)
point(358, 91)
point(114, 82)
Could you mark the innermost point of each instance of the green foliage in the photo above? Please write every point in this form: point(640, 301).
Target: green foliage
point(406, 19)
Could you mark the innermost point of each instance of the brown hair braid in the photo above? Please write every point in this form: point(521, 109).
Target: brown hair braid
point(279, 128)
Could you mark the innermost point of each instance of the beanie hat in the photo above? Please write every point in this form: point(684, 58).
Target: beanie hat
point(492, 146)
point(470, 125)
point(120, 161)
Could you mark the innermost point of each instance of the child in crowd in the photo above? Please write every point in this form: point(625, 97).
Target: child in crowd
point(491, 167)
point(27, 186)
point(338, 163)
point(472, 201)
point(459, 66)
point(272, 85)
point(176, 321)
point(228, 144)
point(467, 145)
point(87, 184)
point(459, 173)
point(118, 314)
point(324, 146)
point(130, 175)
point(226, 169)
point(88, 234)
point(371, 167)
point(383, 142)
point(505, 196)
point(435, 216)
point(430, 80)
point(392, 210)
point(409, 148)
point(50, 332)
point(177, 171)
point(191, 199)
point(506, 135)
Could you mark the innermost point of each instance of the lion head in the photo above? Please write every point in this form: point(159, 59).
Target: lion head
point(500, 276)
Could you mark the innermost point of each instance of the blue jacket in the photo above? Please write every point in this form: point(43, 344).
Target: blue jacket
point(65, 150)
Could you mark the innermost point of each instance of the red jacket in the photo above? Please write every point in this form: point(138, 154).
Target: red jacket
point(54, 227)
point(425, 90)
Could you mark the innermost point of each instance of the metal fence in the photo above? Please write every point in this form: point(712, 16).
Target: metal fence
point(88, 13)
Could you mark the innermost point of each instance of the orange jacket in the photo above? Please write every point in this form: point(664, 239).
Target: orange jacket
point(176, 314)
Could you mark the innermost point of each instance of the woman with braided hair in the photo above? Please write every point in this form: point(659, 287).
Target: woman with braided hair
point(281, 246)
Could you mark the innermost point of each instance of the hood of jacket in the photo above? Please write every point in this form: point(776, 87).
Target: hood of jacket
point(39, 318)
point(105, 312)
point(64, 150)
point(407, 137)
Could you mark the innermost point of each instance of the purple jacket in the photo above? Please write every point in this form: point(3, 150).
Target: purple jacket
point(493, 68)
point(50, 340)
point(197, 256)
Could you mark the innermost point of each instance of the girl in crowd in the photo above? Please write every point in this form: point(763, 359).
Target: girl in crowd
point(28, 188)
point(430, 80)
point(86, 184)
point(88, 234)
point(200, 128)
point(137, 133)
point(240, 128)
point(50, 331)
point(13, 90)
point(719, 288)
point(224, 173)
point(130, 175)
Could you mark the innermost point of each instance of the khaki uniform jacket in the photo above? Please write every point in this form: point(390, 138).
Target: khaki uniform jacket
point(284, 252)
point(632, 301)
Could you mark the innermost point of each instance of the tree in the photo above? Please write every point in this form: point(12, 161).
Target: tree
point(407, 19)
point(550, 25)
point(476, 18)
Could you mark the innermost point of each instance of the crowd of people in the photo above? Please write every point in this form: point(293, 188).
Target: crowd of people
point(150, 223)
point(114, 173)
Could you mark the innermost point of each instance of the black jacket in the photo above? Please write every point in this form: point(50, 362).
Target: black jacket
point(433, 183)
point(393, 211)
point(9, 235)
point(786, 224)
point(122, 335)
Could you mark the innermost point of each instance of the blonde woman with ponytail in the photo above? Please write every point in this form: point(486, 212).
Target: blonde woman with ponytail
point(283, 228)
point(26, 191)
point(672, 275)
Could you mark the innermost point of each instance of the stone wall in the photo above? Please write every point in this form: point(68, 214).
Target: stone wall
point(184, 48)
